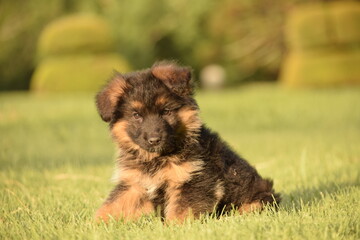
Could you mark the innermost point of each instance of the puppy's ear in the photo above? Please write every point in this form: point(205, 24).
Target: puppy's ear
point(176, 78)
point(107, 99)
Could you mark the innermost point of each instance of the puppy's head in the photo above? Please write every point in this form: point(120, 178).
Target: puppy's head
point(150, 110)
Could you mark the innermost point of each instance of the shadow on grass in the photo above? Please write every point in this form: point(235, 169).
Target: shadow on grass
point(298, 199)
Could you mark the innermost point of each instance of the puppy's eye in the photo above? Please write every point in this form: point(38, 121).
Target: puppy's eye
point(167, 112)
point(136, 116)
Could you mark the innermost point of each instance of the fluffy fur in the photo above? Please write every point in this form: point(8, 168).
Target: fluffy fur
point(169, 161)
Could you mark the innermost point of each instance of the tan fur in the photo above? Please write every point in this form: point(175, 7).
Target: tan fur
point(129, 205)
point(164, 71)
point(137, 105)
point(130, 176)
point(147, 208)
point(115, 90)
point(180, 173)
point(160, 101)
point(219, 190)
point(190, 118)
point(250, 207)
point(173, 211)
point(172, 195)
point(107, 99)
point(175, 174)
point(136, 177)
point(120, 135)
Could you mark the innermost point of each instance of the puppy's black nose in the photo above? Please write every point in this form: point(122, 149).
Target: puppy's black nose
point(154, 140)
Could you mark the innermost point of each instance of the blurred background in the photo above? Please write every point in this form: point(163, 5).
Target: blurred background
point(74, 45)
point(301, 128)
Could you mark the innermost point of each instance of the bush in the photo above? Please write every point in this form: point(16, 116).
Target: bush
point(76, 73)
point(245, 37)
point(323, 25)
point(347, 22)
point(329, 68)
point(324, 42)
point(75, 55)
point(76, 34)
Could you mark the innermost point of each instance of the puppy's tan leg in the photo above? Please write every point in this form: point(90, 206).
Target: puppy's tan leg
point(174, 213)
point(128, 204)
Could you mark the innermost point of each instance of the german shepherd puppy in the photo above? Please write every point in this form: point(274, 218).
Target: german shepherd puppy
point(169, 161)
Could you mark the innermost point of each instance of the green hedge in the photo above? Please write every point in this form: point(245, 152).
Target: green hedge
point(323, 25)
point(75, 34)
point(76, 72)
point(330, 68)
point(76, 55)
point(324, 44)
point(347, 22)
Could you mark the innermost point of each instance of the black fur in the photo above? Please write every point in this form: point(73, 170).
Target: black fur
point(169, 159)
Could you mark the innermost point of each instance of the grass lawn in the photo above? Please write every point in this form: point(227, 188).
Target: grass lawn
point(56, 159)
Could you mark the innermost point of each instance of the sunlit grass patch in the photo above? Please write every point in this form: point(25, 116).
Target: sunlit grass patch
point(56, 160)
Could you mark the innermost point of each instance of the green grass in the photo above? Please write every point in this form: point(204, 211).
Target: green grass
point(56, 159)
